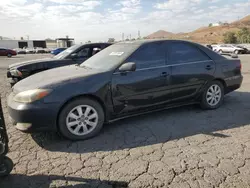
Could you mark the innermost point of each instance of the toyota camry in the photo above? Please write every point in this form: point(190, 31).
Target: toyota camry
point(125, 79)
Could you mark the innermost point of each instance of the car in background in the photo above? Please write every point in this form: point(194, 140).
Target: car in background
point(7, 52)
point(73, 55)
point(20, 51)
point(47, 50)
point(228, 48)
point(209, 46)
point(40, 50)
point(245, 50)
point(30, 50)
point(125, 79)
point(57, 51)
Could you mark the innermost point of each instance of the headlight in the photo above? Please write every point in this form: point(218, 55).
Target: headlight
point(15, 72)
point(31, 95)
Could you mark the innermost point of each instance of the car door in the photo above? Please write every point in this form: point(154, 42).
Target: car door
point(148, 85)
point(229, 48)
point(3, 52)
point(191, 68)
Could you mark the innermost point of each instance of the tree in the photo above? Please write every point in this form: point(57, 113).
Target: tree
point(243, 35)
point(230, 38)
point(210, 25)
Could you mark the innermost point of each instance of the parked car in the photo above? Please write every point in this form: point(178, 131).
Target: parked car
point(7, 52)
point(228, 48)
point(209, 46)
point(125, 79)
point(30, 50)
point(40, 51)
point(244, 51)
point(47, 50)
point(57, 51)
point(20, 51)
point(73, 55)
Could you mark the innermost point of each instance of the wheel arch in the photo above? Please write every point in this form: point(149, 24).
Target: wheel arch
point(222, 81)
point(89, 96)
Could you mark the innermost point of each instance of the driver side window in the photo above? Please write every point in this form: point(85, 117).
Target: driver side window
point(83, 53)
point(149, 56)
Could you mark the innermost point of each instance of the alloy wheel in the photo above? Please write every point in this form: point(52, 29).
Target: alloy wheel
point(82, 120)
point(213, 95)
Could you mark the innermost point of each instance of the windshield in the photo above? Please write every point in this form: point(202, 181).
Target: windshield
point(66, 52)
point(110, 57)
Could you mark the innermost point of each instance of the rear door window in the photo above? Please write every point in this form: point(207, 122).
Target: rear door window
point(185, 53)
point(149, 56)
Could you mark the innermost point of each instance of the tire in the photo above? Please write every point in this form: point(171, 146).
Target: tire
point(236, 52)
point(70, 119)
point(220, 51)
point(206, 102)
point(9, 55)
point(6, 166)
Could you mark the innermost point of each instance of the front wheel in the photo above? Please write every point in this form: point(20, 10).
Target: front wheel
point(236, 52)
point(9, 55)
point(213, 96)
point(6, 166)
point(81, 119)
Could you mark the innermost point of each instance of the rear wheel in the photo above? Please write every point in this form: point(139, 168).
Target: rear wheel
point(213, 95)
point(81, 119)
point(9, 55)
point(220, 51)
point(6, 166)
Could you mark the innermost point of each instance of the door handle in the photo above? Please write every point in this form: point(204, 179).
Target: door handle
point(164, 74)
point(209, 67)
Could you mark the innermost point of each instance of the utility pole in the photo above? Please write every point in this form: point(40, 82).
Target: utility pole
point(139, 34)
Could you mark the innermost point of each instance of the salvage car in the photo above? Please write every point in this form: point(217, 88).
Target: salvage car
point(7, 52)
point(228, 48)
point(125, 79)
point(244, 50)
point(57, 51)
point(73, 55)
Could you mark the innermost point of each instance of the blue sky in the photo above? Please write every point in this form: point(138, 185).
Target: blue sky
point(98, 20)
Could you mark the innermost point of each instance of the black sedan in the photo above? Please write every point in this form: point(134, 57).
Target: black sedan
point(123, 80)
point(73, 55)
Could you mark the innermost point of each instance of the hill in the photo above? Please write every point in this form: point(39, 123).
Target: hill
point(160, 34)
point(206, 35)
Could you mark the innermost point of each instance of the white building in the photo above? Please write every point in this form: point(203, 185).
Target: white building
point(60, 42)
point(16, 44)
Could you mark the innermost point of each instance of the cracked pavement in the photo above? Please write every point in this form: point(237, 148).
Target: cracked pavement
point(179, 148)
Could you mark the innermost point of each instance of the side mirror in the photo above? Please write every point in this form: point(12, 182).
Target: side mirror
point(127, 67)
point(73, 56)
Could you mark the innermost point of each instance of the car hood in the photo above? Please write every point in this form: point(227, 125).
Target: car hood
point(54, 78)
point(36, 61)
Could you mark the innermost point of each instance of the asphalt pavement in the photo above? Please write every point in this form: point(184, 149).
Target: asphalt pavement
point(182, 147)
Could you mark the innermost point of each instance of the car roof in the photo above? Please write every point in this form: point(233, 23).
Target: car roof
point(97, 43)
point(145, 41)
